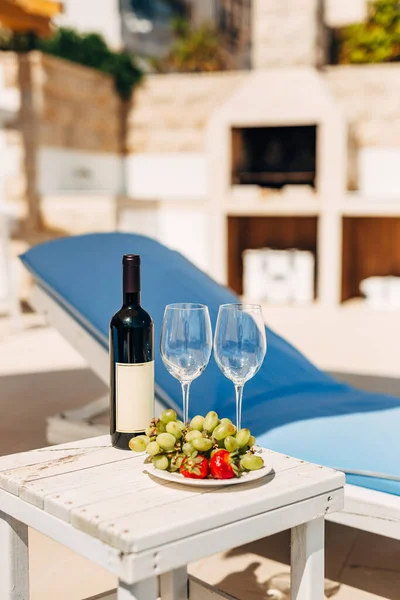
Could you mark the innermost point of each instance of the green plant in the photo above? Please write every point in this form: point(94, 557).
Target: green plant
point(193, 51)
point(377, 40)
point(88, 49)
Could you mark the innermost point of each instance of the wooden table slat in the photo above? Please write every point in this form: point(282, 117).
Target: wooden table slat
point(105, 493)
point(60, 493)
point(11, 481)
point(12, 462)
point(96, 478)
point(214, 509)
point(94, 510)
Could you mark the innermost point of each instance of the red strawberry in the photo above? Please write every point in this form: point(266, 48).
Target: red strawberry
point(195, 468)
point(222, 465)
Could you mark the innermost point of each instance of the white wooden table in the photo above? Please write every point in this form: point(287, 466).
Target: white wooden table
point(98, 502)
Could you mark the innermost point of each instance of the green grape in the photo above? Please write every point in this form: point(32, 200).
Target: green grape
point(168, 415)
point(150, 431)
point(242, 437)
point(228, 422)
point(210, 421)
point(160, 461)
point(230, 443)
point(223, 430)
point(252, 441)
point(181, 425)
point(191, 435)
point(166, 441)
point(187, 449)
point(197, 423)
point(153, 448)
point(139, 443)
point(173, 427)
point(214, 451)
point(161, 428)
point(179, 460)
point(251, 462)
point(172, 465)
point(202, 444)
point(175, 462)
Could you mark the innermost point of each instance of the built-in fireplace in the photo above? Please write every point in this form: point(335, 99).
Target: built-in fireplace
point(274, 157)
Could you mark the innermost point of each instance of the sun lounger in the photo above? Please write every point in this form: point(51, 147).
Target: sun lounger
point(290, 405)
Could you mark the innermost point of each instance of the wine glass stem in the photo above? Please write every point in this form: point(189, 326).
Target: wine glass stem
point(239, 398)
point(185, 395)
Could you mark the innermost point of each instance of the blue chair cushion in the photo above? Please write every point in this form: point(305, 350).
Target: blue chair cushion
point(290, 405)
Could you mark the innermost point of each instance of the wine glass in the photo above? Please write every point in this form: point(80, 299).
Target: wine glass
point(240, 345)
point(186, 344)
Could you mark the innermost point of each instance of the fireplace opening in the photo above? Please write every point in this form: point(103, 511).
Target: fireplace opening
point(273, 157)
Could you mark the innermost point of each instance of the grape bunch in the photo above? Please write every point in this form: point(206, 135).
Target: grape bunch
point(207, 446)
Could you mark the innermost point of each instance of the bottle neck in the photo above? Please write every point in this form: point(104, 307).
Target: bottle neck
point(131, 285)
point(131, 298)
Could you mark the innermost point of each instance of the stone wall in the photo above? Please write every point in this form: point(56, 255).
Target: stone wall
point(68, 112)
point(169, 113)
point(68, 109)
point(287, 33)
point(76, 107)
point(60, 104)
point(369, 96)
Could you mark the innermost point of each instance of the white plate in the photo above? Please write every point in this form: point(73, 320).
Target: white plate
point(178, 478)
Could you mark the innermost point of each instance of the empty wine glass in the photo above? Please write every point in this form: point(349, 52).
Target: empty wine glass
point(240, 345)
point(186, 344)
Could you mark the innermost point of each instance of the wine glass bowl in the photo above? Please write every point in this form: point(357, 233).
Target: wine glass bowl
point(240, 345)
point(186, 344)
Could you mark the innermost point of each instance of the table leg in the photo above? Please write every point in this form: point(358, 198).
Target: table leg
point(14, 559)
point(143, 590)
point(174, 585)
point(307, 558)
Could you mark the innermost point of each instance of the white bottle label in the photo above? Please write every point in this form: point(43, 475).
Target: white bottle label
point(134, 396)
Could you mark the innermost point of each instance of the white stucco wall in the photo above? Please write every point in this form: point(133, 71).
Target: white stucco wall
point(378, 169)
point(184, 228)
point(62, 170)
point(100, 16)
point(167, 175)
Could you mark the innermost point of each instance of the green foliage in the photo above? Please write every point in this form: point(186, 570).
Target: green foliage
point(193, 51)
point(377, 40)
point(88, 49)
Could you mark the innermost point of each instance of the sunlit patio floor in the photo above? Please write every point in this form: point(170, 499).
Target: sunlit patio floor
point(35, 367)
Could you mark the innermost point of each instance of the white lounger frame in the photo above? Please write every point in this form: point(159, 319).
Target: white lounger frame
point(75, 424)
point(365, 509)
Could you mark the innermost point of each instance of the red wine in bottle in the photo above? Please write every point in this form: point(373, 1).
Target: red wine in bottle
point(131, 361)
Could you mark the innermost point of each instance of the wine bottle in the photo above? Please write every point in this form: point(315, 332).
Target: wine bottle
point(131, 361)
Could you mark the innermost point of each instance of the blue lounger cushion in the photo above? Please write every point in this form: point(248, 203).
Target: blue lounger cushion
point(290, 405)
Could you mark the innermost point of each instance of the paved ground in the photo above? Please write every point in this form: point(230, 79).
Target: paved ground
point(40, 375)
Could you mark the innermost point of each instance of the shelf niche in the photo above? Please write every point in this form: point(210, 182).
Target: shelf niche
point(280, 233)
point(273, 157)
point(371, 247)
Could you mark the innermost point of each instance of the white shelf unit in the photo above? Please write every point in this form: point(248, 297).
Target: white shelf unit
point(359, 235)
point(299, 216)
point(281, 98)
point(354, 204)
